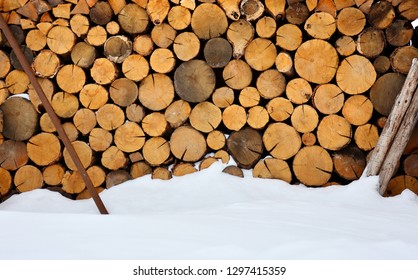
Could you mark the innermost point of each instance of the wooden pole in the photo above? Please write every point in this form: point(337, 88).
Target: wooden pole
point(56, 121)
point(393, 122)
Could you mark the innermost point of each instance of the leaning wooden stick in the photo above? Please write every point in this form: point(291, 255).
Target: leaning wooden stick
point(394, 121)
point(54, 118)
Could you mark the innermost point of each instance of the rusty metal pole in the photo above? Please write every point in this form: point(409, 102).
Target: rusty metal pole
point(54, 118)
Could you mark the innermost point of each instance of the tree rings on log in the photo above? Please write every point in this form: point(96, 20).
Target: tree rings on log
point(334, 132)
point(281, 140)
point(357, 110)
point(44, 149)
point(156, 91)
point(237, 74)
point(328, 99)
point(246, 147)
point(313, 166)
point(187, 144)
point(209, 21)
point(28, 178)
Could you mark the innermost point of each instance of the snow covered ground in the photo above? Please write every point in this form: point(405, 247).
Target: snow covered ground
point(212, 215)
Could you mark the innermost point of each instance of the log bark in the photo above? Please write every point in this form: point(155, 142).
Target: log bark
point(273, 168)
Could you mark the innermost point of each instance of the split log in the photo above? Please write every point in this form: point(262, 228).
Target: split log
point(194, 81)
point(44, 149)
point(161, 173)
point(110, 117)
point(93, 96)
point(100, 139)
point(400, 183)
point(187, 46)
point(156, 150)
point(13, 154)
point(207, 162)
point(113, 158)
point(273, 168)
point(355, 74)
point(313, 166)
point(328, 99)
point(154, 124)
point(410, 165)
point(177, 113)
point(334, 132)
point(249, 97)
point(237, 74)
point(205, 117)
point(289, 37)
point(28, 178)
point(183, 168)
point(216, 140)
point(279, 109)
point(139, 169)
point(65, 104)
point(123, 92)
point(357, 110)
point(156, 91)
point(187, 144)
point(240, 34)
point(234, 117)
point(304, 118)
point(246, 147)
point(208, 21)
point(217, 51)
point(349, 163)
point(222, 155)
point(234, 171)
point(84, 153)
point(223, 97)
point(53, 174)
point(20, 119)
point(281, 140)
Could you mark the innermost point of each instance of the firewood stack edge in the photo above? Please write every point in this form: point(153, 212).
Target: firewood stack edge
point(294, 90)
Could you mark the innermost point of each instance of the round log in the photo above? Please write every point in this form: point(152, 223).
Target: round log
point(65, 104)
point(156, 91)
point(355, 74)
point(381, 64)
point(240, 33)
point(345, 46)
point(381, 14)
point(133, 19)
point(408, 9)
point(209, 21)
point(113, 158)
point(60, 39)
point(162, 61)
point(260, 54)
point(143, 44)
point(110, 117)
point(28, 178)
point(205, 117)
point(79, 24)
point(187, 45)
point(249, 97)
point(234, 117)
point(135, 67)
point(320, 25)
point(5, 64)
point(246, 147)
point(313, 166)
point(223, 97)
point(161, 173)
point(163, 35)
point(357, 110)
point(366, 137)
point(216, 140)
point(187, 144)
point(282, 141)
point(155, 124)
point(70, 130)
point(117, 48)
point(17, 82)
point(83, 55)
point(304, 118)
point(400, 183)
point(266, 27)
point(334, 132)
point(328, 99)
point(5, 181)
point(53, 174)
point(401, 59)
point(93, 96)
point(177, 113)
point(139, 169)
point(96, 36)
point(135, 113)
point(183, 168)
point(71, 78)
point(349, 163)
point(117, 177)
point(298, 91)
point(179, 17)
point(97, 175)
point(84, 153)
point(73, 183)
point(217, 52)
point(237, 74)
point(258, 117)
point(351, 21)
point(100, 139)
point(101, 13)
point(123, 92)
point(308, 139)
point(297, 13)
point(271, 83)
point(156, 150)
point(284, 63)
point(279, 109)
point(289, 37)
point(44, 149)
point(371, 42)
point(13, 154)
point(103, 71)
point(399, 33)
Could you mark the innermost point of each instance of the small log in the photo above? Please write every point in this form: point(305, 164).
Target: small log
point(297, 13)
point(117, 5)
point(17, 81)
point(381, 64)
point(135, 113)
point(179, 17)
point(60, 39)
point(316, 61)
point(71, 78)
point(96, 36)
point(399, 33)
point(366, 136)
point(313, 166)
point(161, 173)
point(251, 9)
point(117, 48)
point(400, 183)
point(93, 96)
point(371, 42)
point(13, 154)
point(44, 149)
point(65, 104)
point(139, 169)
point(271, 83)
point(284, 63)
point(231, 8)
point(345, 46)
point(234, 171)
point(357, 110)
point(70, 130)
point(46, 124)
point(20, 119)
point(97, 175)
point(53, 174)
point(187, 144)
point(156, 91)
point(46, 64)
point(410, 165)
point(223, 97)
point(222, 155)
point(113, 158)
point(205, 117)
point(100, 139)
point(384, 92)
point(334, 132)
point(266, 27)
point(194, 80)
point(217, 52)
point(123, 92)
point(355, 74)
point(234, 117)
point(246, 147)
point(401, 58)
point(304, 118)
point(5, 65)
point(216, 140)
point(83, 55)
point(240, 34)
point(163, 35)
point(260, 54)
point(177, 113)
point(282, 141)
point(28, 178)
point(249, 97)
point(308, 139)
point(349, 163)
point(298, 91)
point(117, 177)
point(154, 124)
point(237, 74)
point(209, 21)
point(351, 21)
point(183, 168)
point(84, 120)
point(279, 109)
point(103, 71)
point(156, 150)
point(162, 61)
point(84, 153)
point(273, 168)
point(187, 45)
point(133, 19)
point(258, 117)
point(112, 27)
point(289, 37)
point(320, 25)
point(143, 45)
point(381, 14)
point(135, 67)
point(207, 162)
point(110, 117)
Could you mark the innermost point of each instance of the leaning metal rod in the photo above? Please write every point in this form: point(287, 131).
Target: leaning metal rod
point(54, 118)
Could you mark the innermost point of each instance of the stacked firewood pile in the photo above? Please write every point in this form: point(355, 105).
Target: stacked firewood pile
point(294, 90)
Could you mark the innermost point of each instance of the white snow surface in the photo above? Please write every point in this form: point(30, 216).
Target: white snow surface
point(213, 215)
